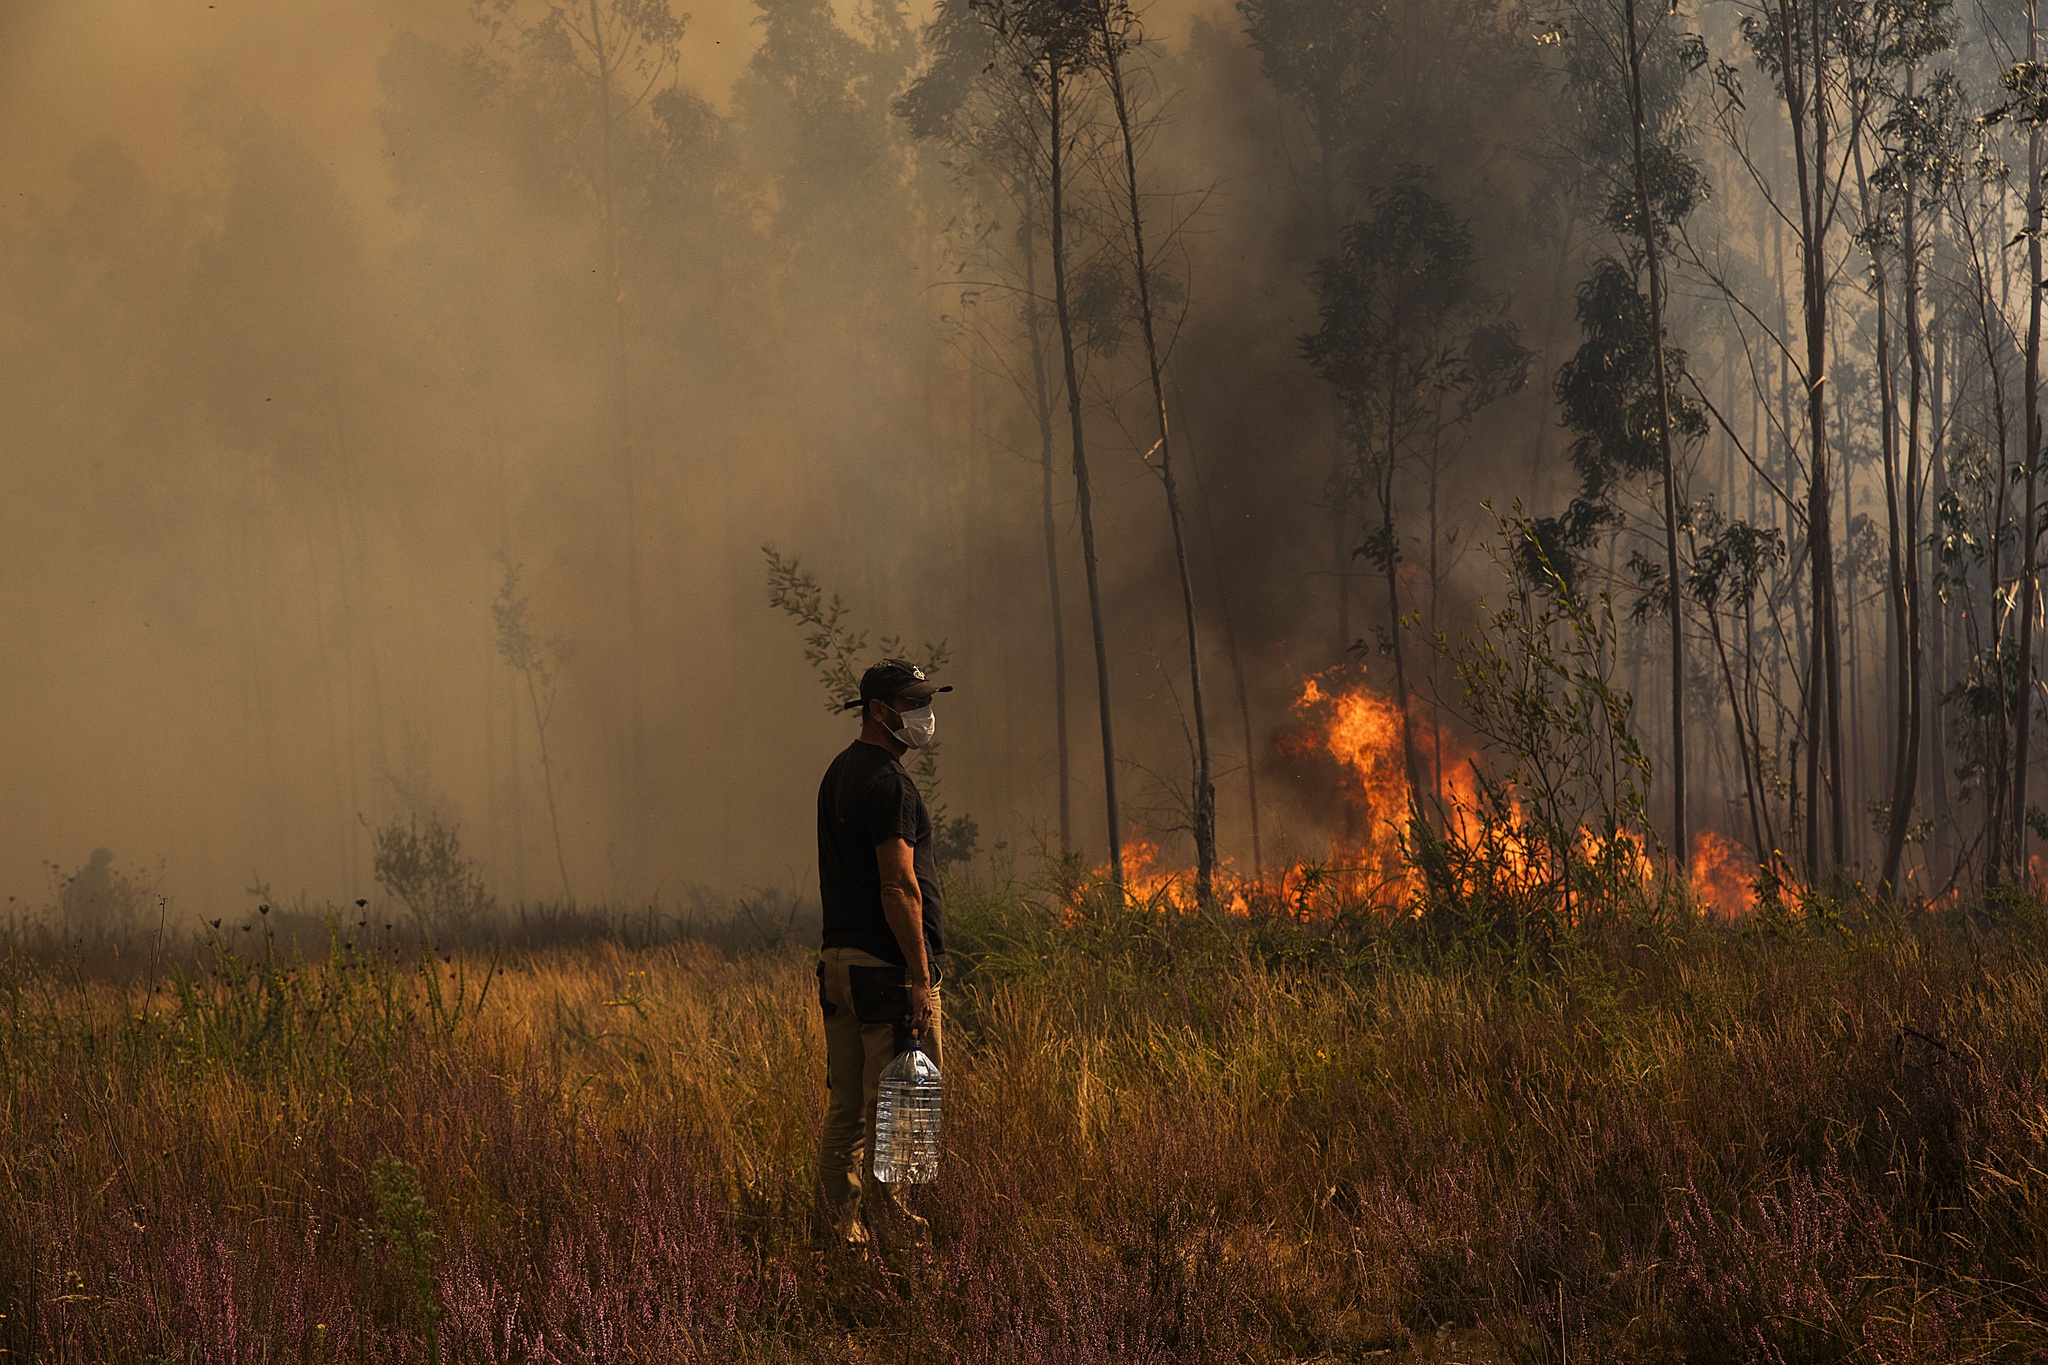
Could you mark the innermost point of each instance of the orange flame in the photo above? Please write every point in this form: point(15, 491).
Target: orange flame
point(1141, 878)
point(1362, 731)
point(1723, 876)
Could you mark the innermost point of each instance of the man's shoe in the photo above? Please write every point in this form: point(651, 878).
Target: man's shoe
point(845, 1231)
point(896, 1227)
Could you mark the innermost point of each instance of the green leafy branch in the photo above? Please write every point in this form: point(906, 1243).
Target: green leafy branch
point(834, 647)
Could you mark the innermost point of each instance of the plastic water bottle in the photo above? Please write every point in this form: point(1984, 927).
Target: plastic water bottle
point(907, 1120)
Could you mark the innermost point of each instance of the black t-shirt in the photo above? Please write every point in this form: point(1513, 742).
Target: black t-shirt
point(866, 800)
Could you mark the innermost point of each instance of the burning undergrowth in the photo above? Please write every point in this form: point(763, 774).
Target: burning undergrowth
point(1459, 833)
point(1457, 822)
point(1510, 802)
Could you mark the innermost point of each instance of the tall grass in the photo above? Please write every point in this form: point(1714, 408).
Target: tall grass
point(1169, 1137)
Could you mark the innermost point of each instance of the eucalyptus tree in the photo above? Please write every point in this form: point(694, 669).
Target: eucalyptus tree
point(1452, 85)
point(1051, 44)
point(1898, 37)
point(1625, 405)
point(1929, 140)
point(976, 95)
point(1822, 60)
point(1945, 164)
point(2027, 84)
point(816, 108)
point(1413, 347)
point(1728, 562)
point(1652, 264)
point(1974, 523)
point(1797, 45)
point(1118, 35)
point(1320, 55)
point(1850, 156)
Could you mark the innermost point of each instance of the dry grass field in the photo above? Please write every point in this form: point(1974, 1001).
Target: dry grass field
point(1170, 1138)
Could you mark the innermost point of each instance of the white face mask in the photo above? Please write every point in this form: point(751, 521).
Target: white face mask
point(916, 727)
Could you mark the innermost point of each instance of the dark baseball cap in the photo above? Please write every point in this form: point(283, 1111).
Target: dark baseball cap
point(896, 680)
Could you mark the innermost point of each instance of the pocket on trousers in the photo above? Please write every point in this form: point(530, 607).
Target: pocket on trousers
point(825, 1005)
point(878, 995)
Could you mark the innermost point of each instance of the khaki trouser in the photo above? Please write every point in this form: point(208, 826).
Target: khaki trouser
point(866, 1009)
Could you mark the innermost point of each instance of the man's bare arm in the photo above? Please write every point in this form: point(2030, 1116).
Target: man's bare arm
point(903, 906)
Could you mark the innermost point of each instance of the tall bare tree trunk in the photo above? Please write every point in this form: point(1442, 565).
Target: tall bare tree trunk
point(1906, 789)
point(1940, 655)
point(1905, 629)
point(1998, 783)
point(2030, 545)
point(1244, 705)
point(1204, 803)
point(1752, 782)
point(1055, 91)
point(1390, 553)
point(1679, 839)
point(1436, 729)
point(1824, 680)
point(1795, 825)
point(1905, 594)
point(1041, 408)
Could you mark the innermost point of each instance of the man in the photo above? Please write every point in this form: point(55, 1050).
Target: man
point(884, 945)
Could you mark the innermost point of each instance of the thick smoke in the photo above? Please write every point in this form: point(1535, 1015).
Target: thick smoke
point(312, 323)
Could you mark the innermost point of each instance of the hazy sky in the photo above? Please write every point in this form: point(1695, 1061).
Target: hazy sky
point(74, 72)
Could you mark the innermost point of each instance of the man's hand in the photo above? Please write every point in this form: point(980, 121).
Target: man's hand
point(924, 1005)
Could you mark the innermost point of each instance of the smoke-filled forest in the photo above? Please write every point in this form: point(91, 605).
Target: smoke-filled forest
point(1154, 376)
point(1488, 554)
